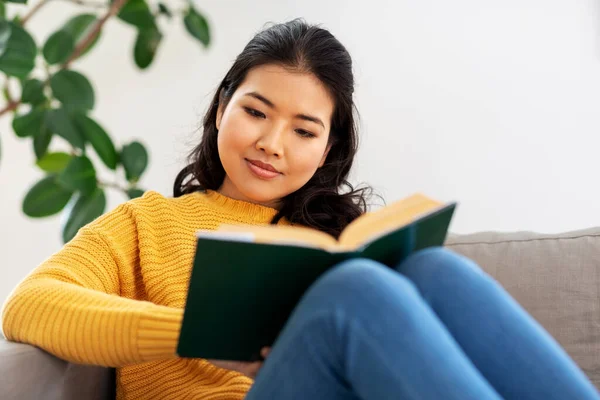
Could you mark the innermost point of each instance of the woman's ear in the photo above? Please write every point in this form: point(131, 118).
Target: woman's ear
point(219, 116)
point(325, 155)
point(220, 110)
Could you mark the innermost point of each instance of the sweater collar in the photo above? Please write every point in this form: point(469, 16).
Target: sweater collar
point(246, 211)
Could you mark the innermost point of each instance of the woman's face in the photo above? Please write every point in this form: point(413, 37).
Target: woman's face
point(273, 134)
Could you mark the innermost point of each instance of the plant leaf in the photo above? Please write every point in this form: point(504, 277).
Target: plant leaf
point(54, 162)
point(79, 175)
point(29, 124)
point(97, 136)
point(145, 47)
point(17, 1)
point(134, 158)
point(84, 210)
point(79, 26)
point(61, 44)
point(33, 92)
point(18, 58)
point(45, 198)
point(197, 25)
point(137, 13)
point(58, 47)
point(41, 142)
point(73, 90)
point(164, 10)
point(59, 121)
point(2, 10)
point(134, 193)
point(5, 31)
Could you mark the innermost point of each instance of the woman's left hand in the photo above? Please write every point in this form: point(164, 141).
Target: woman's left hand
point(249, 369)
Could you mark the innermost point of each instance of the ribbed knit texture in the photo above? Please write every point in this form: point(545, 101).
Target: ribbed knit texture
point(114, 296)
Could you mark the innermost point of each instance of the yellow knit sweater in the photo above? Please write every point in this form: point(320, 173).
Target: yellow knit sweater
point(114, 296)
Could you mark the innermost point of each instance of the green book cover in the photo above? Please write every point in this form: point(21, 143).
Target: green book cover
point(242, 293)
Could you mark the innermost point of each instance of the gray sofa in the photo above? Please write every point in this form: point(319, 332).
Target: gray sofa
point(555, 277)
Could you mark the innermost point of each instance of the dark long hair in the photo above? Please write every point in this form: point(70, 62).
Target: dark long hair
point(327, 202)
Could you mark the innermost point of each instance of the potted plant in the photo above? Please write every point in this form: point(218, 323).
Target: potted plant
point(49, 101)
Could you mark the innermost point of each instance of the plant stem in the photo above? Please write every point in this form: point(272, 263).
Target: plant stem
point(12, 104)
point(42, 3)
point(31, 12)
point(7, 91)
point(85, 42)
point(88, 3)
point(9, 107)
point(82, 45)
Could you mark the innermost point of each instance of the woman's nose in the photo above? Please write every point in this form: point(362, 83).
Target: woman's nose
point(271, 142)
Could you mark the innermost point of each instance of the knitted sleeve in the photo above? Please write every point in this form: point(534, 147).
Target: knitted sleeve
point(71, 307)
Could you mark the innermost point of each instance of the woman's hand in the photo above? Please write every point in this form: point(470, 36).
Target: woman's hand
point(249, 369)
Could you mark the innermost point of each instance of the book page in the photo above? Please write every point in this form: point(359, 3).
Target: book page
point(371, 225)
point(293, 235)
point(229, 236)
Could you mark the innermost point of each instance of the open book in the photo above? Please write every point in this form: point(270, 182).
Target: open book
point(246, 280)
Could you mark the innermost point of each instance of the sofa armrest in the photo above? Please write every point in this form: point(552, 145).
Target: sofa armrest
point(27, 372)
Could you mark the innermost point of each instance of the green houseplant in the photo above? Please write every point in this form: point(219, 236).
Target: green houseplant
point(55, 102)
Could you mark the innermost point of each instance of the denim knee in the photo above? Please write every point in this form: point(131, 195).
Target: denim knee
point(432, 268)
point(358, 283)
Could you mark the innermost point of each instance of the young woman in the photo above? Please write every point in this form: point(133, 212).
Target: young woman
point(278, 144)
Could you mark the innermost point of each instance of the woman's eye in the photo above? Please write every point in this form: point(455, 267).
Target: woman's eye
point(304, 133)
point(254, 113)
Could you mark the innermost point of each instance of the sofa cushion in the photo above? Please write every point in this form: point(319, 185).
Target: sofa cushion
point(27, 372)
point(556, 278)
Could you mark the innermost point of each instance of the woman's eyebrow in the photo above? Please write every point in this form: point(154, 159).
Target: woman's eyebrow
point(270, 104)
point(311, 119)
point(262, 98)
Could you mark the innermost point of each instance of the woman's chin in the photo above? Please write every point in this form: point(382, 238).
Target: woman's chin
point(263, 197)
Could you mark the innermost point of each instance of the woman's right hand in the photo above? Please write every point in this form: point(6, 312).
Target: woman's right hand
point(250, 369)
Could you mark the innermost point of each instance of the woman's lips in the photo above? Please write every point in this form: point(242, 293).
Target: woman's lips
point(260, 172)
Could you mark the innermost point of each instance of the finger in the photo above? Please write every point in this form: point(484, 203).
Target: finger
point(264, 352)
point(223, 364)
point(253, 368)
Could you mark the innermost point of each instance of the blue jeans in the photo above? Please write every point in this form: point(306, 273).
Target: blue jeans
point(436, 328)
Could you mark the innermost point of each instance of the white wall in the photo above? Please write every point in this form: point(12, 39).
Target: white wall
point(494, 104)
